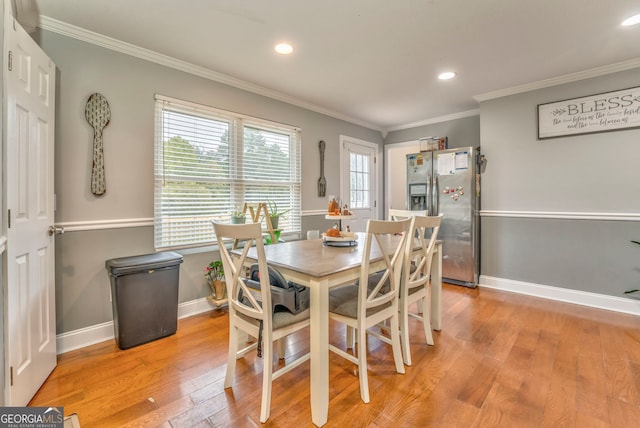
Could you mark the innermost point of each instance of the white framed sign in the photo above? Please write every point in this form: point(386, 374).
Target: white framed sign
point(609, 111)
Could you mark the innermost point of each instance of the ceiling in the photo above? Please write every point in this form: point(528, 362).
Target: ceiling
point(374, 62)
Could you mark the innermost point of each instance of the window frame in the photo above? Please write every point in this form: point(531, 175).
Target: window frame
point(288, 190)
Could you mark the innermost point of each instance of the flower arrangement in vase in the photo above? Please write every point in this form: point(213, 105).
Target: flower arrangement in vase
point(214, 273)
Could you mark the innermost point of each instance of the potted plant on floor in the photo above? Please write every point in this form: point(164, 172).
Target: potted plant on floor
point(214, 273)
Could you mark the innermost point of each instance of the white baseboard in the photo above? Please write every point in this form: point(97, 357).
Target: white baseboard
point(101, 332)
point(584, 298)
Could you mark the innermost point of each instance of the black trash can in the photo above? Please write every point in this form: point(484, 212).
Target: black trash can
point(144, 296)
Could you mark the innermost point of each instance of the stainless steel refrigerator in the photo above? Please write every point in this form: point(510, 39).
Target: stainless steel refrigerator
point(447, 182)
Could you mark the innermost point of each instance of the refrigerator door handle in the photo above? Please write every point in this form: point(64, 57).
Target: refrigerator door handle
point(435, 195)
point(427, 201)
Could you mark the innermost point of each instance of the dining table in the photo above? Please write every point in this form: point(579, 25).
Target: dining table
point(320, 267)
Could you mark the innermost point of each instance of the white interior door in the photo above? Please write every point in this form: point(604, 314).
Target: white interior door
point(358, 178)
point(30, 344)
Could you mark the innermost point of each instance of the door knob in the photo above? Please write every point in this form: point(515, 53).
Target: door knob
point(56, 230)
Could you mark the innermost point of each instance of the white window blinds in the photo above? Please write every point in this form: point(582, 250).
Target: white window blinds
point(209, 162)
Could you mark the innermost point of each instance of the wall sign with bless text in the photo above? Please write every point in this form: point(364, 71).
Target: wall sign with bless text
point(610, 111)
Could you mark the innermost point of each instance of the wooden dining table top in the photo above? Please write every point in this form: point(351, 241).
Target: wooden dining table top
point(314, 258)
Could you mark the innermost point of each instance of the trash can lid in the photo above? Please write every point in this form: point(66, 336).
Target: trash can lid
point(143, 262)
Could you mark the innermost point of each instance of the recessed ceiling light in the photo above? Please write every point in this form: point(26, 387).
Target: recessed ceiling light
point(446, 75)
point(631, 21)
point(284, 48)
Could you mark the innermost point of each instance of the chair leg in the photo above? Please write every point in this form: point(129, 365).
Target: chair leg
point(267, 378)
point(351, 337)
point(280, 346)
point(404, 334)
point(231, 360)
point(426, 319)
point(362, 364)
point(242, 339)
point(395, 343)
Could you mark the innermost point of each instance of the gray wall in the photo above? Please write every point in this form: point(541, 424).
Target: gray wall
point(594, 256)
point(129, 84)
point(560, 177)
point(583, 174)
point(461, 132)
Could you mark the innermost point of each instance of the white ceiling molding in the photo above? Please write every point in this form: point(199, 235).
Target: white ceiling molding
point(439, 119)
point(560, 80)
point(55, 26)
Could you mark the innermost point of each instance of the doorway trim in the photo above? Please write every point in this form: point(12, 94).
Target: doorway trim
point(378, 161)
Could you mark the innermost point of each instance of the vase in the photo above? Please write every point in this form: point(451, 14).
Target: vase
point(274, 222)
point(218, 289)
point(238, 220)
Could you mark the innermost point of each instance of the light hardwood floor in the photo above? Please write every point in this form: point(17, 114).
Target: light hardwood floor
point(501, 360)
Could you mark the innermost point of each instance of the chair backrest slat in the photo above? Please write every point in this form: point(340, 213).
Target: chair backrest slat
point(395, 214)
point(378, 232)
point(423, 257)
point(241, 299)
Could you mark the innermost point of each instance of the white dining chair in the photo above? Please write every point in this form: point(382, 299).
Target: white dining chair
point(394, 214)
point(360, 308)
point(415, 285)
point(251, 311)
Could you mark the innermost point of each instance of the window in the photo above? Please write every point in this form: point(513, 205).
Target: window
point(359, 178)
point(209, 162)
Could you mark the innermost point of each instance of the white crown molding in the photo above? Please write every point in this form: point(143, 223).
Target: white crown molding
point(68, 30)
point(560, 80)
point(439, 119)
point(584, 298)
point(563, 215)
